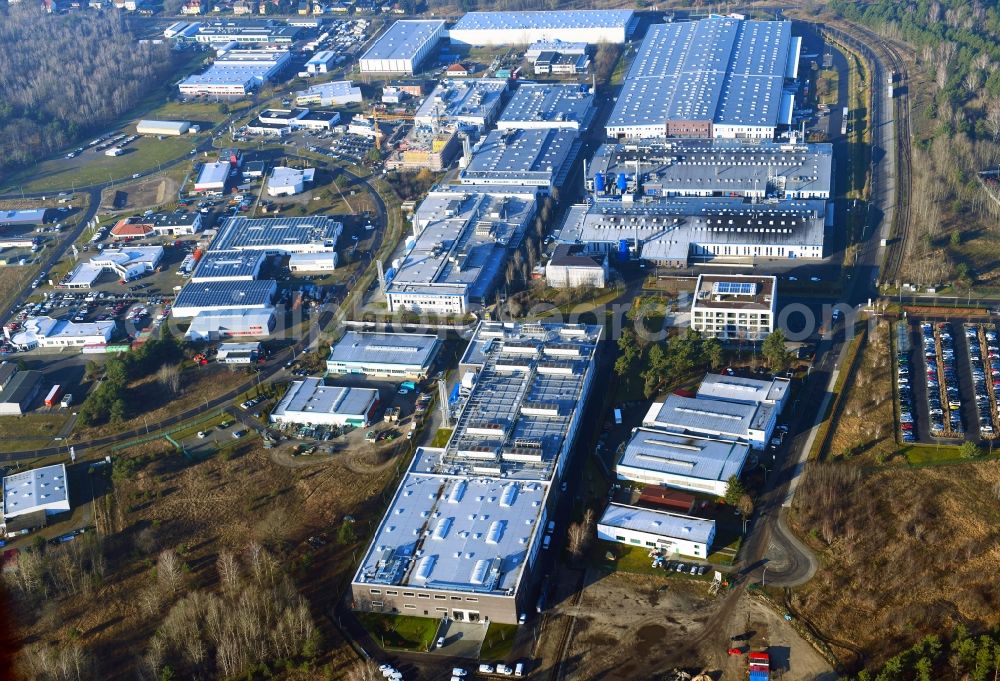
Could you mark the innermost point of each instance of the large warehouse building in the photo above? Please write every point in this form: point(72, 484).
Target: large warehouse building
point(403, 47)
point(218, 296)
point(460, 247)
point(697, 464)
point(540, 158)
point(236, 73)
point(396, 355)
point(312, 402)
point(712, 168)
point(523, 28)
point(749, 423)
point(462, 534)
point(716, 77)
point(162, 127)
point(235, 323)
point(548, 105)
point(463, 102)
point(679, 231)
point(284, 236)
point(40, 489)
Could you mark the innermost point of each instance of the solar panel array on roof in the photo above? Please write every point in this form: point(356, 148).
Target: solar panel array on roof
point(720, 69)
point(734, 288)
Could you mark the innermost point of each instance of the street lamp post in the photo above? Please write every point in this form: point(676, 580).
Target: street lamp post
point(763, 577)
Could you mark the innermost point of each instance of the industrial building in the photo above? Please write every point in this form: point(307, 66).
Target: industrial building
point(312, 262)
point(735, 307)
point(20, 392)
point(126, 263)
point(462, 534)
point(715, 77)
point(46, 332)
point(166, 128)
point(749, 423)
point(162, 224)
point(774, 391)
point(403, 47)
point(247, 32)
point(38, 490)
point(679, 231)
point(394, 355)
point(321, 62)
point(236, 73)
point(541, 46)
point(286, 181)
point(424, 147)
point(242, 354)
point(235, 323)
point(712, 168)
point(559, 64)
point(467, 103)
point(524, 28)
point(311, 234)
point(460, 247)
point(213, 176)
point(698, 464)
point(675, 534)
point(30, 216)
point(334, 93)
point(219, 296)
point(539, 158)
point(312, 402)
point(228, 266)
point(571, 266)
point(548, 105)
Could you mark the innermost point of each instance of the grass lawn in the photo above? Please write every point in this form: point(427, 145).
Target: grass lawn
point(827, 84)
point(93, 168)
point(499, 641)
point(400, 631)
point(930, 455)
point(32, 426)
point(633, 559)
point(441, 437)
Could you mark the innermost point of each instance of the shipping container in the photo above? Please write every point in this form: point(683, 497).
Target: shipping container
point(53, 396)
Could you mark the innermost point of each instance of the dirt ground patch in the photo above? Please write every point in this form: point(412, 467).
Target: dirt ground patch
point(905, 552)
point(636, 627)
point(148, 193)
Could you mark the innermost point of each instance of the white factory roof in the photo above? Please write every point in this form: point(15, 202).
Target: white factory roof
point(321, 57)
point(520, 414)
point(22, 217)
point(238, 321)
point(215, 172)
point(31, 490)
point(404, 349)
point(702, 458)
point(35, 329)
point(463, 100)
point(524, 21)
point(461, 242)
point(403, 39)
point(538, 157)
point(283, 176)
point(745, 390)
point(312, 396)
point(455, 534)
point(660, 523)
point(335, 89)
point(718, 69)
point(178, 127)
point(552, 104)
point(692, 415)
point(723, 166)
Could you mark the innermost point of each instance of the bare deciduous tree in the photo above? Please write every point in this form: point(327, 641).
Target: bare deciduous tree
point(169, 573)
point(579, 535)
point(169, 376)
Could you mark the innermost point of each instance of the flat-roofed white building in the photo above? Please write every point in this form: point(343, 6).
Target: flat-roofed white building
point(463, 102)
point(548, 105)
point(40, 489)
point(228, 266)
point(212, 326)
point(321, 62)
point(312, 262)
point(734, 307)
point(523, 28)
point(774, 391)
point(571, 266)
point(236, 73)
point(698, 464)
point(286, 181)
point(218, 296)
point(676, 534)
point(279, 236)
point(402, 47)
point(312, 402)
point(126, 263)
point(396, 355)
point(238, 353)
point(750, 423)
point(162, 127)
point(46, 332)
point(334, 93)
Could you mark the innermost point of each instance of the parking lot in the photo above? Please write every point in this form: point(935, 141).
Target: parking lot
point(948, 375)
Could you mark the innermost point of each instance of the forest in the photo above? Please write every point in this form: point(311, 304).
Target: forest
point(67, 76)
point(955, 114)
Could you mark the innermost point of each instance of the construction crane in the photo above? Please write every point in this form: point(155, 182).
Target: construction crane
point(382, 116)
